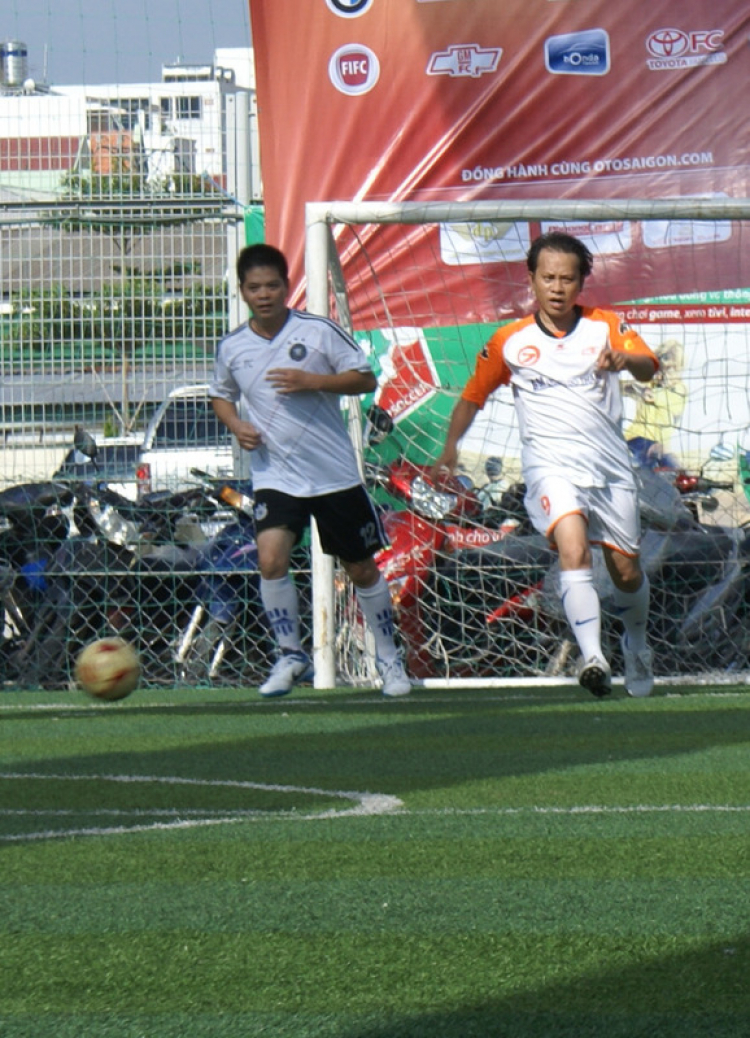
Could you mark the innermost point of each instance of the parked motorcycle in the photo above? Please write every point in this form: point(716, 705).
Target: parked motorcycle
point(226, 636)
point(35, 519)
point(715, 631)
point(691, 566)
point(50, 547)
point(119, 566)
point(697, 489)
point(431, 530)
point(491, 605)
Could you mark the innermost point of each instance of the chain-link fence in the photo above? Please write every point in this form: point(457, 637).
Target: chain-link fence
point(108, 312)
point(117, 256)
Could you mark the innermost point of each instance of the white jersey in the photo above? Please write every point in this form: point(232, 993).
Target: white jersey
point(306, 450)
point(569, 412)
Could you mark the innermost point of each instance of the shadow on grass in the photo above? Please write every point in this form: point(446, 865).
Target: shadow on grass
point(703, 994)
point(507, 1024)
point(698, 995)
point(431, 742)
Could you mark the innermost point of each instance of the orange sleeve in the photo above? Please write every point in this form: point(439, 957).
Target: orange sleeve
point(490, 369)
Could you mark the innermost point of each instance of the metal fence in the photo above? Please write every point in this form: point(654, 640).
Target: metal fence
point(121, 212)
point(117, 260)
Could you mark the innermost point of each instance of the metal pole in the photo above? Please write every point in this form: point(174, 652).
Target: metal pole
point(237, 136)
point(323, 600)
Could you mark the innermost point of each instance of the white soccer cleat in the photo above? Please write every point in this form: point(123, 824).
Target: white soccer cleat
point(395, 679)
point(288, 669)
point(596, 677)
point(639, 675)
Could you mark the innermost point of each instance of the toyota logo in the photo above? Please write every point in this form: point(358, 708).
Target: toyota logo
point(668, 43)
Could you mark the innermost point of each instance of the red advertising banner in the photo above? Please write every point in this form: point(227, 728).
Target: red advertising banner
point(462, 100)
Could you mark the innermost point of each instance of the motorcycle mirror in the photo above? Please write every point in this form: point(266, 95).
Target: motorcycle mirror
point(84, 443)
point(721, 452)
point(380, 421)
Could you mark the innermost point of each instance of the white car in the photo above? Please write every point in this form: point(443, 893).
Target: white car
point(184, 433)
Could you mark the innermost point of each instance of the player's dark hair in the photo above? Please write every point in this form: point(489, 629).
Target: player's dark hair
point(558, 241)
point(262, 255)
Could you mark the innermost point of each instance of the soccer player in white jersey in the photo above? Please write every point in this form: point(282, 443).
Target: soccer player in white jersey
point(563, 364)
point(291, 368)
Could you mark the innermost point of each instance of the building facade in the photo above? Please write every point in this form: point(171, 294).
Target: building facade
point(165, 132)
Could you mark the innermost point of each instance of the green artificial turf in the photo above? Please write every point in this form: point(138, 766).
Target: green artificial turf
point(521, 863)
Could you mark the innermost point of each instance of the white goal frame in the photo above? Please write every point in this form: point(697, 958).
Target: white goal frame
point(324, 281)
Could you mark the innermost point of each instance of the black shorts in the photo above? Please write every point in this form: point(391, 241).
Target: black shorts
point(348, 524)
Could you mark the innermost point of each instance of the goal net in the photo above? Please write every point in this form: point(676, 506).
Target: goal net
point(422, 287)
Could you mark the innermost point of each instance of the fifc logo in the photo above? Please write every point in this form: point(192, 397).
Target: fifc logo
point(354, 69)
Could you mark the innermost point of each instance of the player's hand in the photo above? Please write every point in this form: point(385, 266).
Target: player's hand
point(444, 466)
point(640, 366)
point(611, 360)
point(288, 380)
point(247, 435)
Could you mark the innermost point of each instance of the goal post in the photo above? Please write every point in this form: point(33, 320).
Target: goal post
point(422, 286)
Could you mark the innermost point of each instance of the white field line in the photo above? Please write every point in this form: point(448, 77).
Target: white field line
point(583, 809)
point(363, 697)
point(431, 691)
point(362, 804)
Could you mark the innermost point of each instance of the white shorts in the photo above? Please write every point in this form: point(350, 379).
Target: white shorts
point(612, 513)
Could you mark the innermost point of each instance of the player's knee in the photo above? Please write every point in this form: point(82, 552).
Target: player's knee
point(364, 573)
point(575, 556)
point(627, 575)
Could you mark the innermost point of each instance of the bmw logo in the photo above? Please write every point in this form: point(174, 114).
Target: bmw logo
point(349, 8)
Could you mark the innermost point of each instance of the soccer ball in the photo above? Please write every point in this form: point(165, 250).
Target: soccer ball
point(108, 668)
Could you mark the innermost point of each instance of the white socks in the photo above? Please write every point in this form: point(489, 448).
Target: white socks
point(279, 599)
point(583, 609)
point(377, 608)
point(280, 603)
point(632, 608)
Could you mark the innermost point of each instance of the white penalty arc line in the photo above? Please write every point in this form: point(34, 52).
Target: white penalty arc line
point(363, 804)
point(584, 809)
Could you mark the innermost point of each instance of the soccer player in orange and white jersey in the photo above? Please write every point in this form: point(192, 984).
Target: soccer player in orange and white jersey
point(563, 364)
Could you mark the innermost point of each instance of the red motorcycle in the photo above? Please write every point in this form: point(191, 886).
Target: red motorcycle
point(443, 623)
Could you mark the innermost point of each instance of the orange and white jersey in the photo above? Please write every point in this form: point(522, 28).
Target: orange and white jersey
point(569, 412)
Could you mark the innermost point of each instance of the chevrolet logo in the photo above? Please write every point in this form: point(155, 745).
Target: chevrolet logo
point(466, 59)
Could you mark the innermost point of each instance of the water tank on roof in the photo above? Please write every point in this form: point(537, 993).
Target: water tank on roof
point(14, 63)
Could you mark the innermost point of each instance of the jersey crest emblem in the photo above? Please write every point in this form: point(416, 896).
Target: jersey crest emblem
point(528, 356)
point(298, 351)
